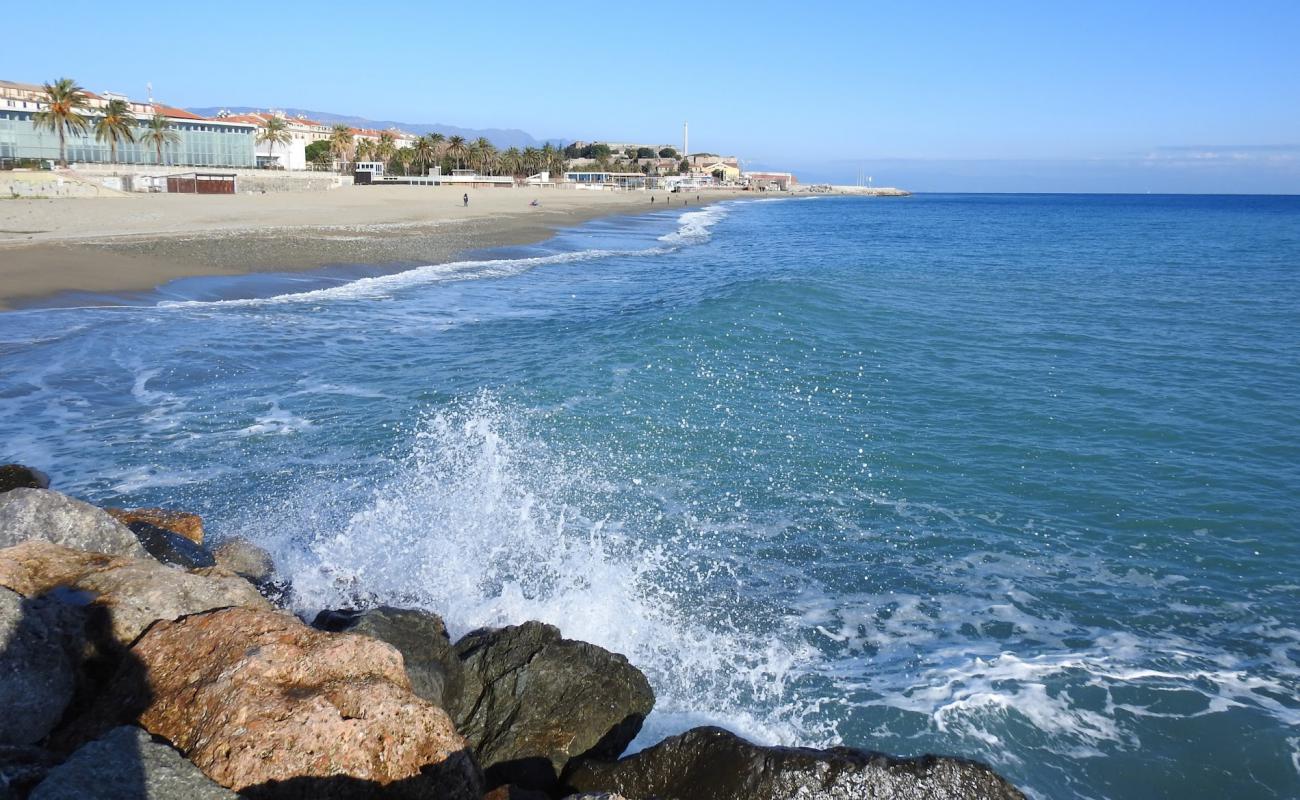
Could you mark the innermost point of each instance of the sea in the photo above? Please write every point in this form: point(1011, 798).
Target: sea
point(1010, 477)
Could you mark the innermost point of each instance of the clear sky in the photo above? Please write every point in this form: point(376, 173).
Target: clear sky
point(996, 95)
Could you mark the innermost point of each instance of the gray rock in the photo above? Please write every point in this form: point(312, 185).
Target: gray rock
point(40, 514)
point(127, 764)
point(532, 701)
point(16, 476)
point(714, 764)
point(245, 559)
point(21, 768)
point(38, 666)
point(170, 547)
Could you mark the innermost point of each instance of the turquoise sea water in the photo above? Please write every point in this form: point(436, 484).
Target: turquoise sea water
point(1012, 477)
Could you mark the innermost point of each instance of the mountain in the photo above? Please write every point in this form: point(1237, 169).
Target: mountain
point(501, 137)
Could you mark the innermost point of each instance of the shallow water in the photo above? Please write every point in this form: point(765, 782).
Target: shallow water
point(1013, 477)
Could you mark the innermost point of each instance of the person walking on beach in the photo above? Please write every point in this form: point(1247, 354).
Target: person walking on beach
point(466, 199)
point(652, 199)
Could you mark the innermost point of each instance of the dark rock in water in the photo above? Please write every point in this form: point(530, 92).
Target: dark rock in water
point(186, 524)
point(39, 643)
point(170, 547)
point(40, 514)
point(21, 768)
point(127, 764)
point(16, 476)
point(532, 701)
point(421, 637)
point(714, 764)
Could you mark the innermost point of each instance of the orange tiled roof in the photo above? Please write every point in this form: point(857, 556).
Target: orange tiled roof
point(175, 113)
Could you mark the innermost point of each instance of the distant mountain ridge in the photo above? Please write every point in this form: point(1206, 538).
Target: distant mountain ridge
point(501, 137)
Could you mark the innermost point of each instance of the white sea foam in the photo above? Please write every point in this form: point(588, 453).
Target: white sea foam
point(693, 228)
point(485, 525)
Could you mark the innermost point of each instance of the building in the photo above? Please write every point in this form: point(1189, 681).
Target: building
point(780, 181)
point(606, 180)
point(200, 142)
point(722, 171)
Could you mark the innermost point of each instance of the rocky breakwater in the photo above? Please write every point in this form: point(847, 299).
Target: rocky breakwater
point(135, 662)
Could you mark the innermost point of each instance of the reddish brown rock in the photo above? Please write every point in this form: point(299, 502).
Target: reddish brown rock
point(269, 707)
point(186, 524)
point(134, 591)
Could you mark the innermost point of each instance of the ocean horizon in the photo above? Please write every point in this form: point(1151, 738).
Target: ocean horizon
point(1014, 477)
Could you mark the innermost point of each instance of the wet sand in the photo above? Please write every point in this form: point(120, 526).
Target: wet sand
point(138, 242)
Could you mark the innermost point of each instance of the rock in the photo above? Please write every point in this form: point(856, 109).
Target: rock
point(271, 708)
point(16, 476)
point(126, 764)
point(718, 765)
point(512, 792)
point(133, 591)
point(532, 701)
point(40, 514)
point(170, 547)
point(421, 637)
point(182, 522)
point(38, 666)
point(245, 559)
point(21, 768)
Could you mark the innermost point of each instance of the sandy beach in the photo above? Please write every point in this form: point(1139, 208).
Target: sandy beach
point(138, 242)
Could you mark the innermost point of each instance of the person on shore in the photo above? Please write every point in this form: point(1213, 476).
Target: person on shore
point(652, 199)
point(466, 199)
point(534, 204)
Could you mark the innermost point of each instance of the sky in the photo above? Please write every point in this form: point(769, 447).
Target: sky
point(999, 95)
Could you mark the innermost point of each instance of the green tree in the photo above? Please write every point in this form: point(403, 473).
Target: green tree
point(365, 150)
point(552, 159)
point(117, 125)
point(645, 152)
point(387, 146)
point(457, 149)
point(158, 132)
point(512, 162)
point(668, 152)
point(423, 153)
point(684, 168)
point(318, 152)
point(486, 155)
point(275, 130)
point(598, 152)
point(64, 102)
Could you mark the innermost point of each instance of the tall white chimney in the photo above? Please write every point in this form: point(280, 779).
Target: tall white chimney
point(686, 141)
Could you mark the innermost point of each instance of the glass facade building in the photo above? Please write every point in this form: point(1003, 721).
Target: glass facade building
point(200, 143)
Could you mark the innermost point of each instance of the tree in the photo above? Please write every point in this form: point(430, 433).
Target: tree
point(387, 146)
point(486, 154)
point(512, 162)
point(115, 126)
point(645, 152)
point(457, 149)
point(365, 150)
point(532, 160)
point(719, 175)
point(572, 151)
point(64, 102)
point(274, 131)
point(159, 133)
point(684, 168)
point(318, 152)
point(423, 153)
point(668, 152)
point(400, 160)
point(598, 152)
point(552, 159)
point(341, 142)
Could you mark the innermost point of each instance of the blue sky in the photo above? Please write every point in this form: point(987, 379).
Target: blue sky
point(999, 96)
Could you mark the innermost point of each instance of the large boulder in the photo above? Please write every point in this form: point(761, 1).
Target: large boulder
point(23, 767)
point(40, 514)
point(133, 591)
point(420, 636)
point(39, 643)
point(532, 701)
point(714, 764)
point(271, 708)
point(181, 522)
point(16, 476)
point(127, 764)
point(170, 547)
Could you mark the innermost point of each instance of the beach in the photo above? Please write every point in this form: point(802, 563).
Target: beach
point(138, 242)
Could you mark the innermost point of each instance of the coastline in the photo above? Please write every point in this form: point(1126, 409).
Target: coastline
point(137, 243)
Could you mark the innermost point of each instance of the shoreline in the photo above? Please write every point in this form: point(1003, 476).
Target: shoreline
point(117, 245)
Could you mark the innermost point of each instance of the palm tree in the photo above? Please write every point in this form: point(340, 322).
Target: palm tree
point(158, 133)
point(400, 160)
point(456, 149)
point(386, 147)
point(341, 142)
point(115, 126)
point(274, 131)
point(64, 101)
point(512, 161)
point(532, 160)
point(552, 159)
point(423, 153)
point(485, 152)
point(366, 150)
